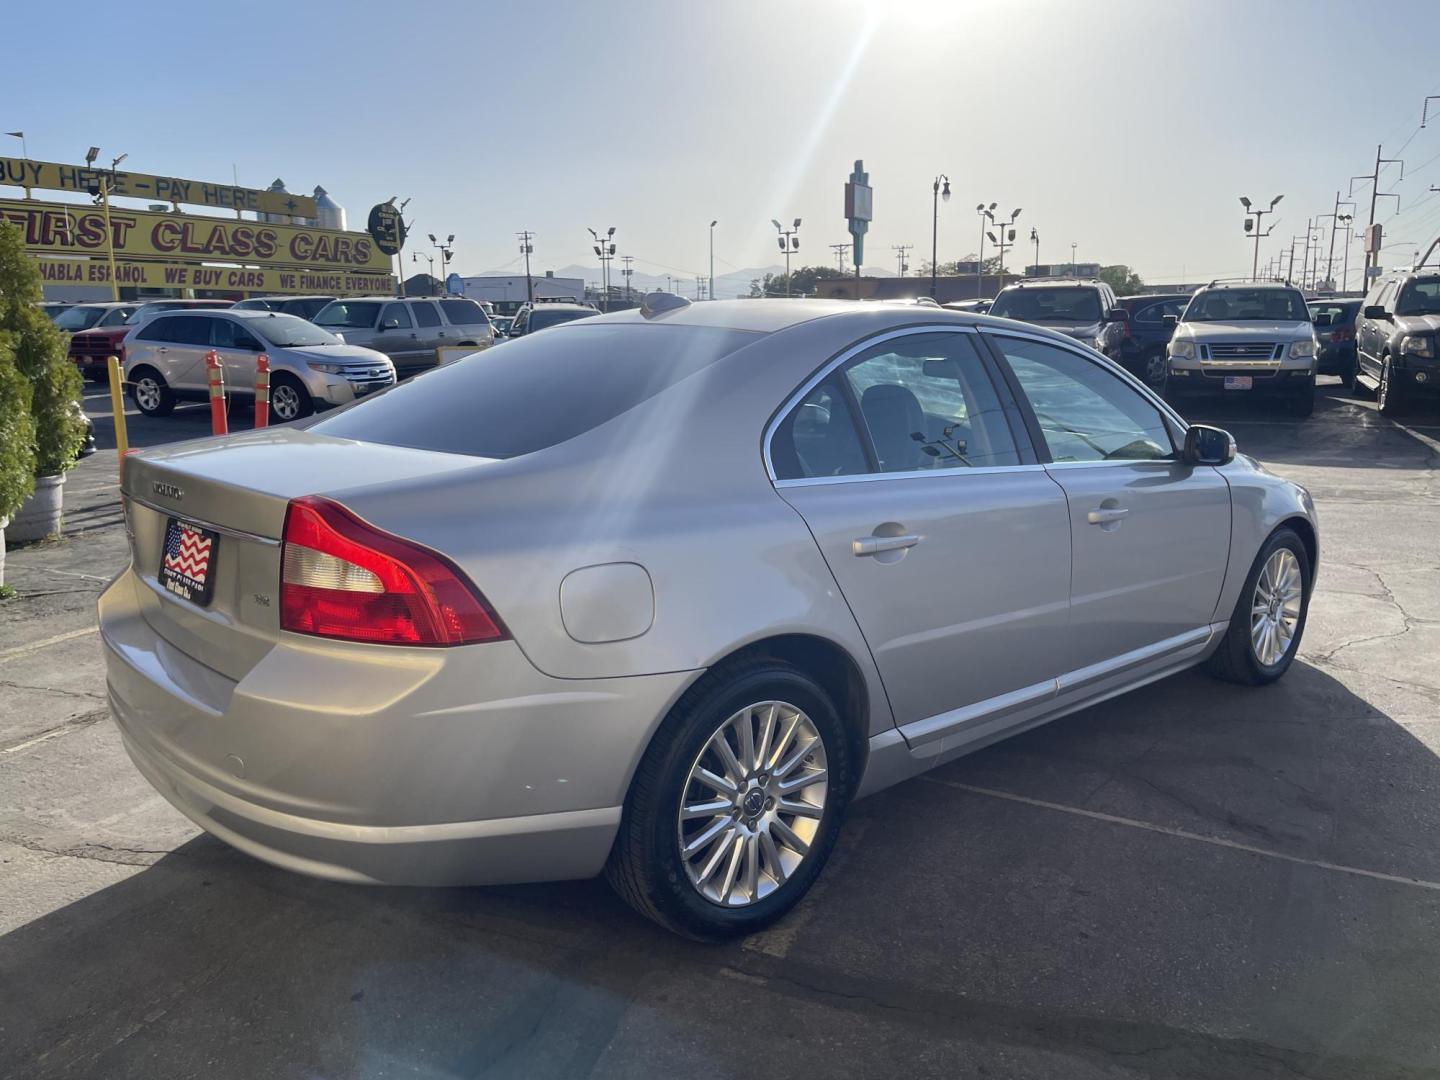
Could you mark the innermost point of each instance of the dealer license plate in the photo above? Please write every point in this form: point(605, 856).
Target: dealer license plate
point(1239, 382)
point(187, 565)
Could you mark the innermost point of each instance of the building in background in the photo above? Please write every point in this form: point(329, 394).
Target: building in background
point(1063, 270)
point(508, 292)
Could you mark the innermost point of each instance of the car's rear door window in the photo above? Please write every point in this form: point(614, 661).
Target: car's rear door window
point(537, 391)
point(425, 313)
point(464, 312)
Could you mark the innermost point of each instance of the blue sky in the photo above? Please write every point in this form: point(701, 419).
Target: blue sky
point(1128, 127)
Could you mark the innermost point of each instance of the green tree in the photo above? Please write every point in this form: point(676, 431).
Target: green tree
point(1122, 279)
point(40, 356)
point(801, 282)
point(17, 433)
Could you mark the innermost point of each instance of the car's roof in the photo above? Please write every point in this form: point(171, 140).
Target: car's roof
point(107, 303)
point(548, 306)
point(298, 296)
point(1140, 298)
point(1054, 283)
point(184, 303)
point(1278, 285)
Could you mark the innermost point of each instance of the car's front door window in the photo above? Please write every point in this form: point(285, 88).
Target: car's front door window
point(1085, 413)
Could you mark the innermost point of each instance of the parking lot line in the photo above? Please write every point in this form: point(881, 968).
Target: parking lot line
point(21, 650)
point(1182, 834)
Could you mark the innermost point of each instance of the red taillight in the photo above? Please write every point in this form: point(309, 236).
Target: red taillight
point(1344, 333)
point(343, 578)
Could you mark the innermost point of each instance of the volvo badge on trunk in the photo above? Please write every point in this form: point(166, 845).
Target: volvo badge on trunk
point(170, 491)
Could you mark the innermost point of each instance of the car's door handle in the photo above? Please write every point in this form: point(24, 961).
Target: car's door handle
point(162, 348)
point(1106, 514)
point(873, 545)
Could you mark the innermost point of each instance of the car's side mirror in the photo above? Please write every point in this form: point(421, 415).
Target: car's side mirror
point(1118, 314)
point(1208, 445)
point(1375, 311)
point(1171, 321)
point(389, 324)
point(1324, 319)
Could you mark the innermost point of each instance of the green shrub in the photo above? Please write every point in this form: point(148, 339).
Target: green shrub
point(39, 353)
point(17, 434)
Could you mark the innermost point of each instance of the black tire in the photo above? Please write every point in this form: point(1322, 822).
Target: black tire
point(1390, 399)
point(645, 865)
point(1154, 369)
point(282, 383)
point(1235, 660)
point(150, 392)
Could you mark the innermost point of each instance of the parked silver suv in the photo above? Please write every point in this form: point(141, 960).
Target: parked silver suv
point(309, 367)
point(1245, 338)
point(409, 330)
point(1085, 310)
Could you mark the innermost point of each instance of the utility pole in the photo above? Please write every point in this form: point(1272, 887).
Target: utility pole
point(840, 250)
point(1372, 258)
point(711, 289)
point(1255, 228)
point(526, 248)
point(902, 252)
point(627, 260)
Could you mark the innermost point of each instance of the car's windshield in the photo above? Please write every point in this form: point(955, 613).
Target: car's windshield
point(1063, 304)
point(541, 317)
point(290, 331)
point(1420, 296)
point(1247, 305)
point(535, 392)
point(79, 318)
point(355, 315)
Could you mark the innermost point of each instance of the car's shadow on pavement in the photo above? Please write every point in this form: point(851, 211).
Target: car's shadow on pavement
point(1193, 879)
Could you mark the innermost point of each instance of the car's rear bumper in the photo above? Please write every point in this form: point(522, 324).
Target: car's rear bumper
point(364, 764)
point(1335, 359)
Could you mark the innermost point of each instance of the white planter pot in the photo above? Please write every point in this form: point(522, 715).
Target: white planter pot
point(39, 516)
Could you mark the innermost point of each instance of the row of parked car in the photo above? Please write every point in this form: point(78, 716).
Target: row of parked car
point(1260, 339)
point(323, 350)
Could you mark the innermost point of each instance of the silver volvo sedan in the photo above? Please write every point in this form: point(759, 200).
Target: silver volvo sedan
point(659, 593)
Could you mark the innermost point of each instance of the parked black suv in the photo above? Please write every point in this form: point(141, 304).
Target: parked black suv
point(1335, 330)
point(1142, 349)
point(1396, 340)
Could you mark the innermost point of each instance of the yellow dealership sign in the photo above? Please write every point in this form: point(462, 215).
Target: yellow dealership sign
point(51, 229)
point(155, 275)
point(48, 176)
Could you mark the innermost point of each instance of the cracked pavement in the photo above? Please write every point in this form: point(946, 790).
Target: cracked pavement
point(1192, 880)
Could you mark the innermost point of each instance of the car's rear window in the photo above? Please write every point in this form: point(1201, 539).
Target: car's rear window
point(536, 391)
point(463, 312)
point(1063, 304)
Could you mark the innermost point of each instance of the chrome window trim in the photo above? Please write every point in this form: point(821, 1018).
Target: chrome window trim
point(223, 530)
point(914, 474)
point(820, 376)
point(1106, 364)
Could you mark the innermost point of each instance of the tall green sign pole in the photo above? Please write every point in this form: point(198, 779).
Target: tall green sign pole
point(859, 208)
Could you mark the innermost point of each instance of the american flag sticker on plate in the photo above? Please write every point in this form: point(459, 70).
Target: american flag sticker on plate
point(187, 568)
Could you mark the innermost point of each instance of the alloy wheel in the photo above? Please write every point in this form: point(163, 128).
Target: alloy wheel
point(752, 803)
point(285, 402)
point(147, 393)
point(1384, 391)
point(1155, 370)
point(1275, 607)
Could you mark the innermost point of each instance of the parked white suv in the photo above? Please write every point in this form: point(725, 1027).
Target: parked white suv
point(409, 331)
point(309, 367)
point(1245, 339)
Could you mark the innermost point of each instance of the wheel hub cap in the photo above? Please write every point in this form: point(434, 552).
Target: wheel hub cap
point(1275, 607)
point(752, 803)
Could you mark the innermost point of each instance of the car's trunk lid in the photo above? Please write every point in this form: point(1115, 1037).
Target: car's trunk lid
point(236, 491)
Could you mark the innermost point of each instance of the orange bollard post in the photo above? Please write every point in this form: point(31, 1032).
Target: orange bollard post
point(262, 390)
point(216, 376)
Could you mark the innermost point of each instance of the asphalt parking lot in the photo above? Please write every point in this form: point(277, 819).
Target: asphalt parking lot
point(1193, 880)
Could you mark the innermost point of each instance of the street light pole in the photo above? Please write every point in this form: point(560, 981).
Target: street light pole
point(1257, 215)
point(1073, 271)
point(936, 194)
point(711, 286)
point(605, 249)
point(789, 243)
point(984, 212)
point(1348, 219)
point(1035, 239)
point(1007, 237)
